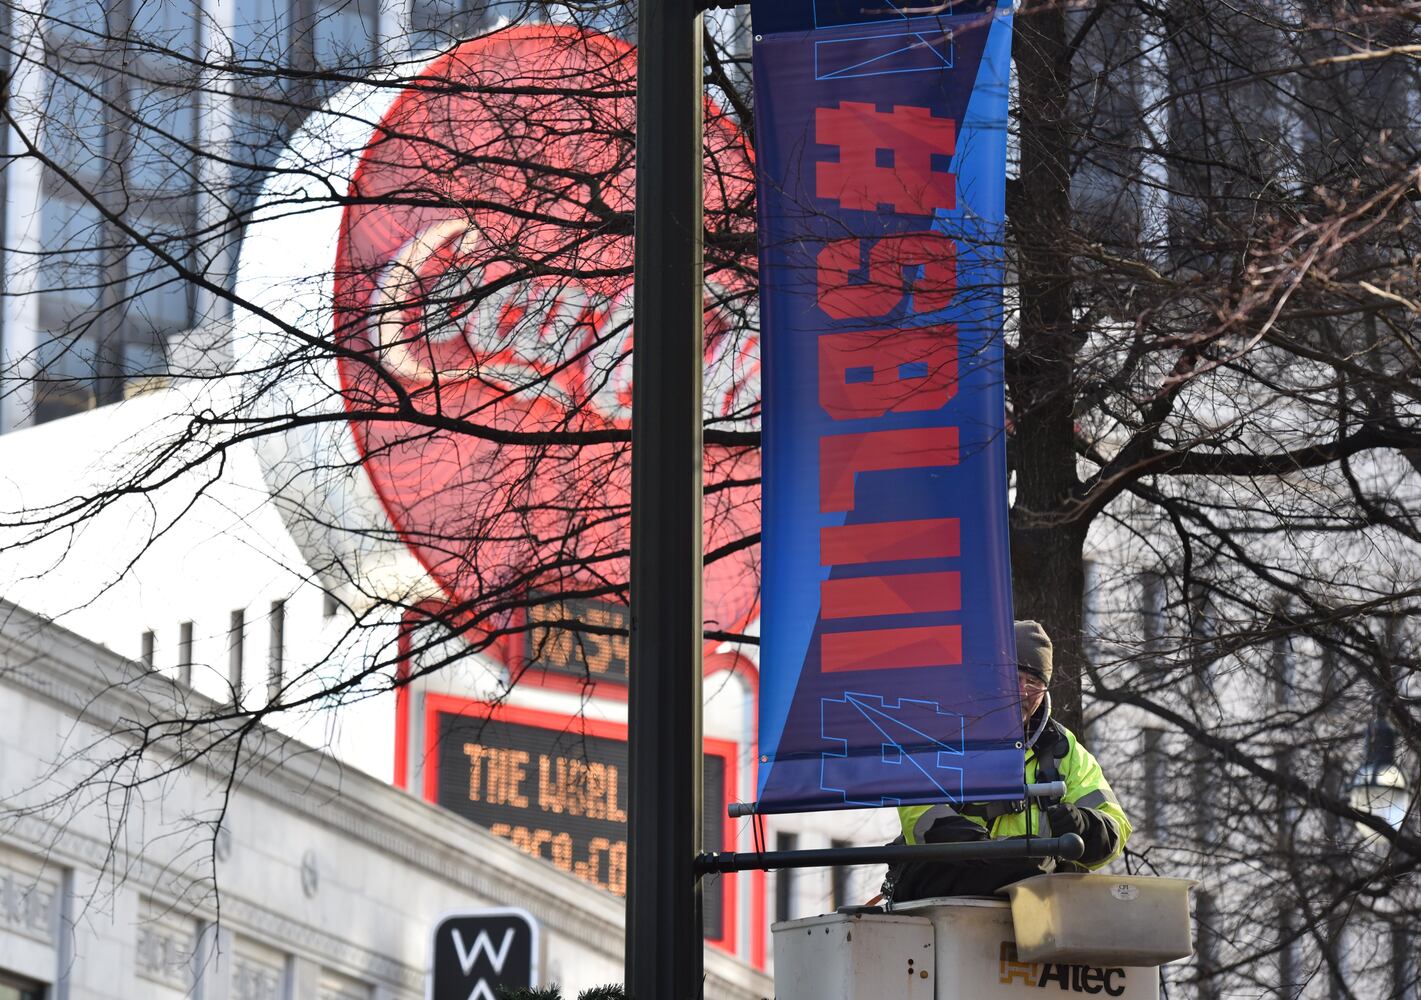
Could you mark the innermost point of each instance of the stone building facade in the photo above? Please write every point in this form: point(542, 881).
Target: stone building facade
point(125, 875)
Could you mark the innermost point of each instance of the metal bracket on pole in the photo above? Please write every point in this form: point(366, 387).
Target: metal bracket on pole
point(1068, 847)
point(1034, 790)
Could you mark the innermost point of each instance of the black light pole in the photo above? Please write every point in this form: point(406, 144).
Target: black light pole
point(663, 953)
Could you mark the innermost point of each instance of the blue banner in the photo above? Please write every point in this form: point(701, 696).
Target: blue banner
point(887, 661)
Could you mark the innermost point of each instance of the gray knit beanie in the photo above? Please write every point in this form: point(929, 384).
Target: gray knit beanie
point(1033, 650)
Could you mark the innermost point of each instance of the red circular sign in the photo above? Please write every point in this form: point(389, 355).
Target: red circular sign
point(483, 293)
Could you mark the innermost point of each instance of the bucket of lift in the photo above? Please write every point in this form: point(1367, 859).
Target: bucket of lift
point(1133, 920)
point(1084, 934)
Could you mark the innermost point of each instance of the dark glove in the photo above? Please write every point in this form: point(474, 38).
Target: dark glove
point(1093, 828)
point(1066, 818)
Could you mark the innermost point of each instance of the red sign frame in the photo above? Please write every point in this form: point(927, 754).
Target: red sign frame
point(437, 704)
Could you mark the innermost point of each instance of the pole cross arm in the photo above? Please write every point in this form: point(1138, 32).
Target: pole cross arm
point(1067, 847)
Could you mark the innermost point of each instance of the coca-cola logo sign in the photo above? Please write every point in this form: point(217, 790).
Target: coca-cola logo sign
point(481, 312)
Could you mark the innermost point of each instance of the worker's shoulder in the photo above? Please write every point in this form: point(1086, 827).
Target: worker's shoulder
point(1062, 733)
point(1074, 747)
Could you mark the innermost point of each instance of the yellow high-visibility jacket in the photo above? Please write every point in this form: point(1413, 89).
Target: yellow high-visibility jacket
point(1086, 788)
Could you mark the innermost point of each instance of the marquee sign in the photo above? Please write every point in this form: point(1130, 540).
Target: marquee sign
point(555, 787)
point(887, 661)
point(598, 652)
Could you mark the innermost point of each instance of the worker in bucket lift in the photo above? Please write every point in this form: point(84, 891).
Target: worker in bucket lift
point(1089, 808)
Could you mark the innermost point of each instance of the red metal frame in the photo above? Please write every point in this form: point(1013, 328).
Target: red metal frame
point(734, 663)
point(402, 701)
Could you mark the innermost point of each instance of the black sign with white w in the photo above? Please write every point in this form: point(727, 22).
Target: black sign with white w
point(478, 951)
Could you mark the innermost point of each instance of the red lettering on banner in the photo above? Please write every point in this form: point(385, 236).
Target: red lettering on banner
point(881, 371)
point(888, 541)
point(902, 594)
point(885, 158)
point(887, 281)
point(843, 456)
point(893, 161)
point(891, 648)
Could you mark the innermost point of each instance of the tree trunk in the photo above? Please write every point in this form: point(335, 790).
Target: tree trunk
point(1050, 587)
point(1046, 543)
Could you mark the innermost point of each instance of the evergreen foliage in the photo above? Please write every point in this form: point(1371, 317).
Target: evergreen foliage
point(554, 992)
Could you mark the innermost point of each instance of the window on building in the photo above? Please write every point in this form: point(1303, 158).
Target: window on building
point(15, 988)
point(160, 184)
point(168, 25)
point(1092, 603)
point(66, 367)
point(75, 137)
point(260, 125)
point(1289, 976)
point(269, 40)
point(1152, 603)
point(69, 274)
point(1405, 964)
point(785, 878)
point(1282, 662)
point(71, 271)
point(612, 17)
point(1105, 191)
point(162, 156)
point(1333, 679)
point(276, 650)
point(438, 24)
point(1206, 946)
point(1286, 812)
point(145, 649)
point(261, 31)
point(839, 879)
point(1201, 777)
point(1224, 128)
point(158, 300)
point(236, 633)
point(345, 34)
point(1333, 784)
point(1336, 942)
point(1152, 758)
point(77, 19)
point(120, 127)
point(185, 652)
point(1203, 630)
